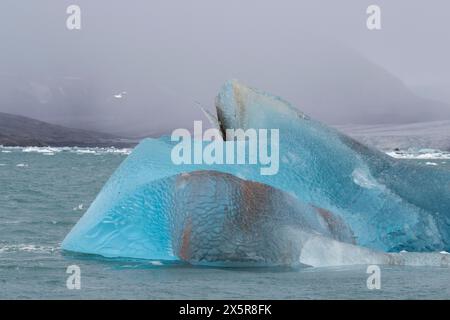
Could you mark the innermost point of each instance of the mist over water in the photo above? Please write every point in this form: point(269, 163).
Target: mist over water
point(142, 69)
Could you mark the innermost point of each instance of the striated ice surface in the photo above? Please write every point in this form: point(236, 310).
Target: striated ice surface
point(334, 201)
point(206, 217)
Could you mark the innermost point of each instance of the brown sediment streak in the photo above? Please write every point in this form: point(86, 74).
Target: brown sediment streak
point(252, 206)
point(240, 104)
point(327, 215)
point(334, 222)
point(185, 240)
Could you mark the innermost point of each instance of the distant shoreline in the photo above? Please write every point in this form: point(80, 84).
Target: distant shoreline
point(20, 131)
point(62, 144)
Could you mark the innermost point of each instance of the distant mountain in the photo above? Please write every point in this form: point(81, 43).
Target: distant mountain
point(22, 131)
point(327, 80)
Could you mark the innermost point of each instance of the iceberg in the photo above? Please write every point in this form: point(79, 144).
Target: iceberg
point(333, 200)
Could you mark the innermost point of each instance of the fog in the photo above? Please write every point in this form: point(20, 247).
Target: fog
point(172, 56)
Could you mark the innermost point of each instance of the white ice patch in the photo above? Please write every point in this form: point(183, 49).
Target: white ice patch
point(21, 165)
point(364, 179)
point(78, 208)
point(428, 163)
point(432, 154)
point(321, 251)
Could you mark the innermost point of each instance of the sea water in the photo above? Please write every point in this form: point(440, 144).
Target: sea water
point(44, 192)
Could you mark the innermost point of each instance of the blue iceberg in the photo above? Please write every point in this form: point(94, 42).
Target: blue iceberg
point(331, 195)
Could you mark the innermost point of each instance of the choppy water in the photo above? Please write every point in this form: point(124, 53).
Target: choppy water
point(43, 193)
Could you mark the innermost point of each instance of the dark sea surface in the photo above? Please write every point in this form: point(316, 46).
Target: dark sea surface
point(43, 193)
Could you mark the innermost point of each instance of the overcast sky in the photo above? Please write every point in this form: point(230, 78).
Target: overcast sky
point(168, 54)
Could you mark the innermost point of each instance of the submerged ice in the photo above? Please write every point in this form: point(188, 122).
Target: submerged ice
point(333, 200)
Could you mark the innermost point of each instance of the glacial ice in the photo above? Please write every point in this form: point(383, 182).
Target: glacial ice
point(333, 201)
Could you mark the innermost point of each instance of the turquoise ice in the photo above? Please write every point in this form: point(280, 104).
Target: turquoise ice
point(328, 187)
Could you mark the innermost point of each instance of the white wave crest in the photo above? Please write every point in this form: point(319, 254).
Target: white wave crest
point(27, 248)
point(50, 151)
point(22, 165)
point(424, 154)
